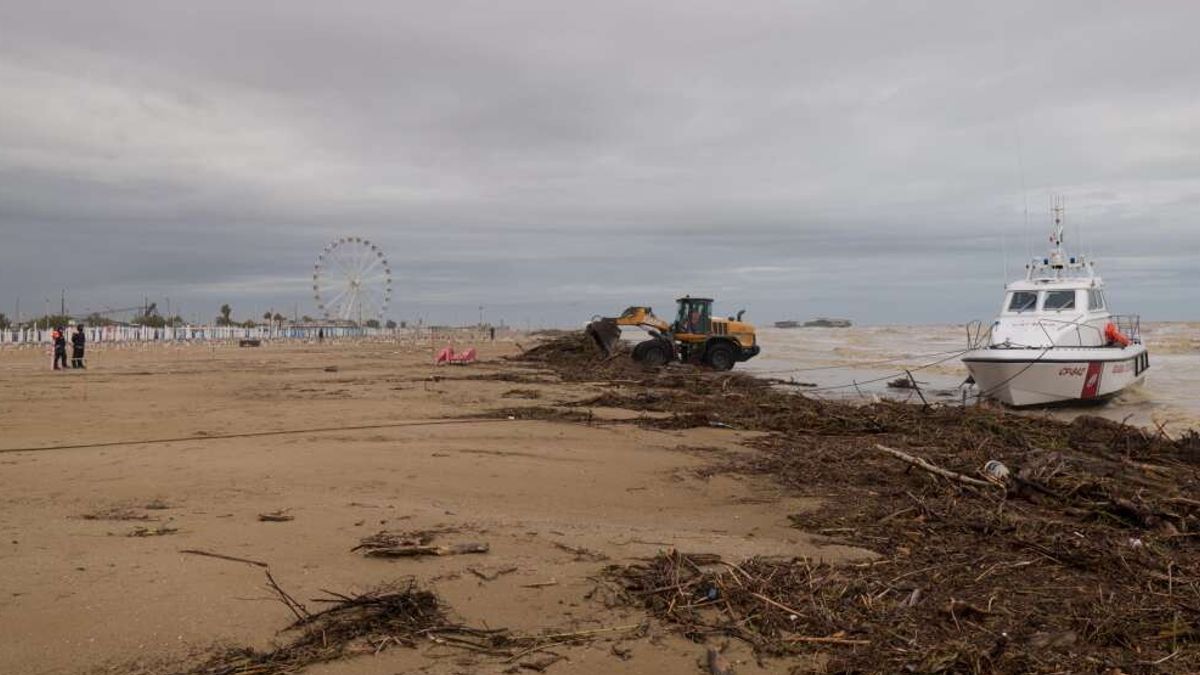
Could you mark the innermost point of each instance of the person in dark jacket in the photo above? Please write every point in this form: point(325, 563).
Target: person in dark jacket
point(60, 348)
point(78, 339)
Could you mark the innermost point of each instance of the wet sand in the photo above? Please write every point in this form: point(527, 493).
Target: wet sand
point(367, 442)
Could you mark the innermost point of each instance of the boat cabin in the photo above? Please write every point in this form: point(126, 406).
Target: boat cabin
point(1053, 301)
point(1059, 303)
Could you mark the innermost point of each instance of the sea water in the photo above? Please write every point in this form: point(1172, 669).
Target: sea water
point(857, 363)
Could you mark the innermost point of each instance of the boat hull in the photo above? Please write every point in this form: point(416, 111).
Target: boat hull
point(1056, 376)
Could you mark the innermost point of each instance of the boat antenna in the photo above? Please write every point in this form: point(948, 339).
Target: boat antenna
point(1006, 57)
point(1056, 234)
point(1024, 191)
point(1058, 206)
point(1081, 248)
point(1004, 249)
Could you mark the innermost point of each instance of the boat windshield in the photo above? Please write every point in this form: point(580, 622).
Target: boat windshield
point(1059, 300)
point(1022, 301)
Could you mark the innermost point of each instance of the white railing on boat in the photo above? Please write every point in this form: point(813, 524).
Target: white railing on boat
point(1130, 326)
point(979, 334)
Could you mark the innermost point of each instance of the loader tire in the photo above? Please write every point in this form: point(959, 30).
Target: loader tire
point(652, 353)
point(720, 356)
point(639, 350)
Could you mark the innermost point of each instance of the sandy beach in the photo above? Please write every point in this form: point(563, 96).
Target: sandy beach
point(617, 338)
point(191, 444)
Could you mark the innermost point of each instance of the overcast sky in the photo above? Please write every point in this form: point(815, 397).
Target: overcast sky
point(552, 160)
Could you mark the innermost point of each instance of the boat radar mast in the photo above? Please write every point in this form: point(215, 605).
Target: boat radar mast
point(1056, 235)
point(1058, 265)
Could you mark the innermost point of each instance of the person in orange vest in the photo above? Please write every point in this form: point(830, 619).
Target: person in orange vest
point(60, 348)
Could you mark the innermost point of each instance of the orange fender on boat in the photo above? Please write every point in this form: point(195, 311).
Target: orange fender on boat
point(1115, 336)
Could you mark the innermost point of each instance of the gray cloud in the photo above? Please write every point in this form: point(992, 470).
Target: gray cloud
point(551, 161)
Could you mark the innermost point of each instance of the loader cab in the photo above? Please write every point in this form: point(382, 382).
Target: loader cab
point(694, 316)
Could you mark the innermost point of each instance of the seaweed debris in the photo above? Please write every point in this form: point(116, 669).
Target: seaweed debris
point(399, 614)
point(414, 544)
point(1060, 546)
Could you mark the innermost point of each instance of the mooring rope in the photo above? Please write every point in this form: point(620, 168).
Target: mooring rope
point(259, 434)
point(863, 364)
point(890, 376)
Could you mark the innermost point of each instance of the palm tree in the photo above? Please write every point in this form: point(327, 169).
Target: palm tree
point(224, 319)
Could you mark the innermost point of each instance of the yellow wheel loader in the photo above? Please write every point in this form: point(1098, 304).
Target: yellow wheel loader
point(696, 336)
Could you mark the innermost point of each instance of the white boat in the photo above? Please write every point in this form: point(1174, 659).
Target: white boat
point(1055, 341)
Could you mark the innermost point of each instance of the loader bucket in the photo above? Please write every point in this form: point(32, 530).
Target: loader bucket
point(605, 333)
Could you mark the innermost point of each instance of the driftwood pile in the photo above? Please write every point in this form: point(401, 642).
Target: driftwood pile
point(414, 544)
point(1003, 543)
point(280, 516)
point(401, 614)
point(753, 601)
point(575, 357)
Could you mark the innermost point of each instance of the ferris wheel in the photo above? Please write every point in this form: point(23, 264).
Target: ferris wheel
point(352, 281)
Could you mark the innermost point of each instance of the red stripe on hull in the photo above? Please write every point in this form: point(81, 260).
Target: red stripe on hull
point(1091, 382)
